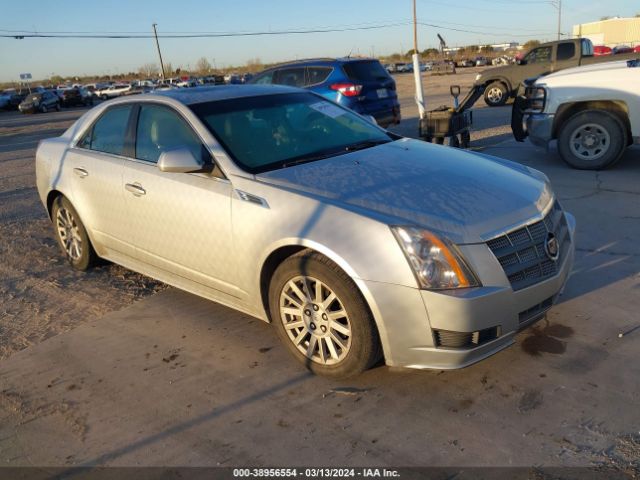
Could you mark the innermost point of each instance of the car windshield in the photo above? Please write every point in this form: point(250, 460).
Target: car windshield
point(276, 131)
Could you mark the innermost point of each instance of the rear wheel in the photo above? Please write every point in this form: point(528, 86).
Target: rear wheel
point(495, 95)
point(592, 140)
point(72, 235)
point(321, 317)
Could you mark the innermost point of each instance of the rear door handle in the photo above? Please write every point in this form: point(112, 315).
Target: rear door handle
point(135, 188)
point(81, 172)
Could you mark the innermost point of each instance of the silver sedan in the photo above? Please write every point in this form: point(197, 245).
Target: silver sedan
point(357, 244)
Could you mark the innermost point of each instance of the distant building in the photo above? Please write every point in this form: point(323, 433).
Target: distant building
point(612, 32)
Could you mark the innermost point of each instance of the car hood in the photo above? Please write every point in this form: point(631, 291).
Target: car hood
point(465, 196)
point(586, 71)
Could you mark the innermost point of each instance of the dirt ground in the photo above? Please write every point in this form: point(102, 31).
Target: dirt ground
point(40, 296)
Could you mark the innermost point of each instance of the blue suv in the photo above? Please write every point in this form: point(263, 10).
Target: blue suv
point(361, 84)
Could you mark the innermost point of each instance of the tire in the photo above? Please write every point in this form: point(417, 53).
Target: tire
point(496, 94)
point(104, 97)
point(58, 107)
point(329, 343)
point(465, 139)
point(576, 135)
point(43, 109)
point(72, 235)
point(453, 141)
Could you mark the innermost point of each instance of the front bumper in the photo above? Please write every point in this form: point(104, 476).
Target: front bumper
point(540, 128)
point(408, 318)
point(28, 108)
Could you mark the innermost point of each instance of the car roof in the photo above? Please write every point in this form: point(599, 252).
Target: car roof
point(326, 61)
point(189, 96)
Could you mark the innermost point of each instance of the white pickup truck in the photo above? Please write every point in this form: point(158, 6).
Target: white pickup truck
point(593, 112)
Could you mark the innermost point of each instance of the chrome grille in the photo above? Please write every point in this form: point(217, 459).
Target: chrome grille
point(521, 252)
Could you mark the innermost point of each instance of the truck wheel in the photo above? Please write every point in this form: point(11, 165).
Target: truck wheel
point(495, 95)
point(592, 140)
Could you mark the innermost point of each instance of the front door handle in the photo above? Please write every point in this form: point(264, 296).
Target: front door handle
point(135, 188)
point(81, 172)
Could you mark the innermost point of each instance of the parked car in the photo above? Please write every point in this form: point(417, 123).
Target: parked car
point(40, 102)
point(593, 112)
point(288, 207)
point(481, 62)
point(232, 79)
point(360, 84)
point(501, 83)
point(187, 82)
point(599, 50)
point(9, 99)
point(398, 67)
point(621, 49)
point(212, 80)
point(113, 91)
point(138, 90)
point(466, 63)
point(76, 96)
point(636, 49)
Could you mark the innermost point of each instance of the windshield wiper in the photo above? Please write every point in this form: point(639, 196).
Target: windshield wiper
point(365, 144)
point(311, 158)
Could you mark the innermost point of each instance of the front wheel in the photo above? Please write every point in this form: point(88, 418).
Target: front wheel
point(496, 94)
point(43, 109)
point(58, 107)
point(72, 235)
point(592, 140)
point(321, 317)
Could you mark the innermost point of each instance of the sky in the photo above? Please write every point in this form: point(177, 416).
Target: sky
point(462, 22)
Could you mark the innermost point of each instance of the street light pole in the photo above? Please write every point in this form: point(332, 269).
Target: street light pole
point(155, 34)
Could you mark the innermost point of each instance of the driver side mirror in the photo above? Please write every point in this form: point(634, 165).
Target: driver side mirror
point(178, 160)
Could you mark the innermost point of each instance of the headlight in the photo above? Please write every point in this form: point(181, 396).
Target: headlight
point(436, 262)
point(536, 98)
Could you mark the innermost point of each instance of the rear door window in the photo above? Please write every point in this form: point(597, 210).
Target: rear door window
point(108, 134)
point(566, 51)
point(539, 55)
point(292, 77)
point(365, 71)
point(316, 75)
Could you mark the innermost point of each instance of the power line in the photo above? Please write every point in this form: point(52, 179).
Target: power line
point(132, 35)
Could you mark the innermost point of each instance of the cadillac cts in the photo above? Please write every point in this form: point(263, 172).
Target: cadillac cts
point(357, 244)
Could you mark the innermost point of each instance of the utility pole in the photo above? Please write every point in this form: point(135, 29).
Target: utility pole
point(155, 34)
point(558, 5)
point(417, 74)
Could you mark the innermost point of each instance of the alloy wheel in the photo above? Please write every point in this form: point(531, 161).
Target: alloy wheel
point(315, 320)
point(494, 95)
point(69, 233)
